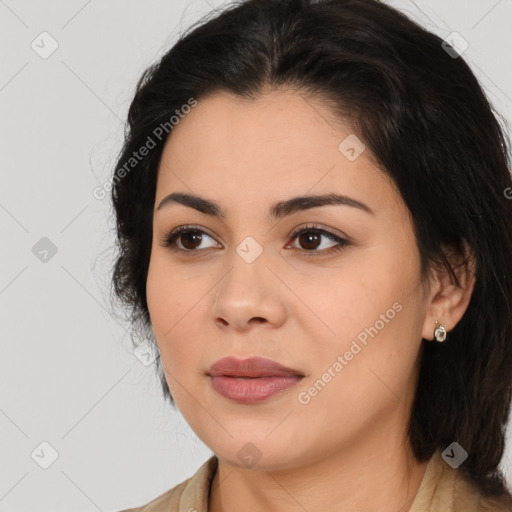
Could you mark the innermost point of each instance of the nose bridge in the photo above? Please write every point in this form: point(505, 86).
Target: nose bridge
point(247, 264)
point(248, 290)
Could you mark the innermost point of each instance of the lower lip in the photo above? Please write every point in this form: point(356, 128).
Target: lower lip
point(249, 391)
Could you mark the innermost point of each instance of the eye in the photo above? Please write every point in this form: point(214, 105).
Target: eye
point(190, 239)
point(311, 239)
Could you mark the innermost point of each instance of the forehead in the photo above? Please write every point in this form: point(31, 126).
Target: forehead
point(278, 145)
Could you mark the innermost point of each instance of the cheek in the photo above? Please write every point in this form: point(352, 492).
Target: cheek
point(157, 297)
point(169, 295)
point(175, 304)
point(364, 375)
point(374, 314)
point(165, 304)
point(368, 290)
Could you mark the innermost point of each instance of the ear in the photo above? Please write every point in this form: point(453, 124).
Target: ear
point(447, 302)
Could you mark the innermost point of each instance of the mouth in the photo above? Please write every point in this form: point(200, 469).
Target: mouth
point(251, 390)
point(253, 367)
point(251, 380)
point(245, 377)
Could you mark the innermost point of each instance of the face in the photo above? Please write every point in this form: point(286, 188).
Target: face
point(342, 302)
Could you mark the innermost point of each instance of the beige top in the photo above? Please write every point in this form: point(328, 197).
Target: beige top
point(442, 489)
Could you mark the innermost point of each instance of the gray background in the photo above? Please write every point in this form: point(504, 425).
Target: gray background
point(69, 377)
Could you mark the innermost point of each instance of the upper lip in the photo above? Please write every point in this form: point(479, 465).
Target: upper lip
point(250, 367)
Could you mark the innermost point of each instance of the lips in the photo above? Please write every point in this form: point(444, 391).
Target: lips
point(253, 367)
point(253, 380)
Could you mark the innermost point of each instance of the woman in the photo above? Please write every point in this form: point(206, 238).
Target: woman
point(313, 217)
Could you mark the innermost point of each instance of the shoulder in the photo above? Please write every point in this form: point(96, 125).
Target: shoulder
point(169, 500)
point(469, 496)
point(191, 494)
point(446, 488)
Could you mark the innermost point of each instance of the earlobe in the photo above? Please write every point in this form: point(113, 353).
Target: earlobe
point(448, 301)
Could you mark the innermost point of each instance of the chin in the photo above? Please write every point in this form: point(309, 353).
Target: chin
point(259, 453)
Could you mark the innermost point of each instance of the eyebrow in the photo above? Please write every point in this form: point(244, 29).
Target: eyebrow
point(277, 211)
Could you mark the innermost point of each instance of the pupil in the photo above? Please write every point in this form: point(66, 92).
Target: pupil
point(191, 236)
point(308, 238)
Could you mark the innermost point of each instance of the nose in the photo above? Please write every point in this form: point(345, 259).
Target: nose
point(249, 294)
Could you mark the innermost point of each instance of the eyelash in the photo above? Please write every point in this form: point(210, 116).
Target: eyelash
point(169, 239)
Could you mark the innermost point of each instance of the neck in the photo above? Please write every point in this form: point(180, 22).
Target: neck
point(372, 476)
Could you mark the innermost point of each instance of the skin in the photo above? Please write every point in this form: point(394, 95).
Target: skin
point(347, 448)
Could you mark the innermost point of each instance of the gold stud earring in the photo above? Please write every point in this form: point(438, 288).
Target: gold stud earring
point(440, 333)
